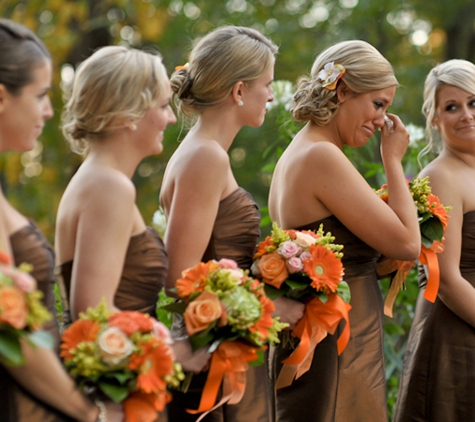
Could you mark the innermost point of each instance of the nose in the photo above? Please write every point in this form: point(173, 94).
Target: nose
point(171, 116)
point(467, 113)
point(380, 121)
point(270, 97)
point(48, 111)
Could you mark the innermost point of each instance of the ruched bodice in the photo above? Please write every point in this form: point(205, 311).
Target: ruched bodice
point(235, 236)
point(143, 275)
point(439, 365)
point(350, 387)
point(30, 246)
point(236, 230)
point(16, 404)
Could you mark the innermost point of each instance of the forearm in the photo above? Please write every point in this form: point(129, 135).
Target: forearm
point(459, 297)
point(44, 377)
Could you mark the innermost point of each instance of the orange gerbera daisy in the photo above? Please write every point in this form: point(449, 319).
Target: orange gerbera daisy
point(154, 362)
point(195, 278)
point(324, 268)
point(262, 247)
point(437, 209)
point(130, 322)
point(81, 330)
point(265, 321)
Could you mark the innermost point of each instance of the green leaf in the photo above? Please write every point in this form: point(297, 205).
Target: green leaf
point(323, 297)
point(296, 285)
point(259, 361)
point(432, 229)
point(201, 339)
point(41, 339)
point(122, 377)
point(117, 393)
point(177, 307)
point(215, 345)
point(273, 293)
point(344, 291)
point(10, 349)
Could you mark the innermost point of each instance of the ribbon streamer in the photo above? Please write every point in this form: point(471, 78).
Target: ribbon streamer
point(143, 407)
point(318, 320)
point(428, 257)
point(229, 364)
point(388, 266)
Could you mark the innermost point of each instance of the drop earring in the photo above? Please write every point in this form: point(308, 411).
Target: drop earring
point(240, 103)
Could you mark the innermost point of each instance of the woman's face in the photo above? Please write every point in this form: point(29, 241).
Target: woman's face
point(255, 97)
point(23, 116)
point(152, 126)
point(455, 117)
point(361, 114)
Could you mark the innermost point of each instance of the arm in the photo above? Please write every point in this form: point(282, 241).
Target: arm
point(392, 230)
point(104, 228)
point(44, 377)
point(200, 183)
point(454, 290)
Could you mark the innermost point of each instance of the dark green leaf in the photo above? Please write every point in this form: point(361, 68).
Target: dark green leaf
point(177, 307)
point(344, 291)
point(273, 293)
point(10, 349)
point(432, 229)
point(116, 393)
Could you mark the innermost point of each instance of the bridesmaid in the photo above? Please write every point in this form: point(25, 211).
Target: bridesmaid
point(116, 116)
point(40, 390)
point(344, 101)
point(439, 366)
point(225, 86)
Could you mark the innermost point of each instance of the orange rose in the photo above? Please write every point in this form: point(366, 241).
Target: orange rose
point(13, 307)
point(273, 269)
point(202, 312)
point(114, 346)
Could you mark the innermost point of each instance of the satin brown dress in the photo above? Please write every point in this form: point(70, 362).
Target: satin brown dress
point(438, 376)
point(350, 387)
point(16, 404)
point(235, 236)
point(143, 275)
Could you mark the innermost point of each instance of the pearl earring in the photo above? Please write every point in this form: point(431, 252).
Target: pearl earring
point(133, 127)
point(240, 103)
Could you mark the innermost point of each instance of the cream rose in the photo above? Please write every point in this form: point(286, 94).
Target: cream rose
point(304, 239)
point(115, 346)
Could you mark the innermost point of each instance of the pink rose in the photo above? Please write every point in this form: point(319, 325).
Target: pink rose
point(294, 265)
point(229, 264)
point(24, 281)
point(305, 256)
point(161, 331)
point(114, 346)
point(289, 249)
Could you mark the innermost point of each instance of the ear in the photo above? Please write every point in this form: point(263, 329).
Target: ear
point(3, 97)
point(343, 92)
point(435, 123)
point(237, 91)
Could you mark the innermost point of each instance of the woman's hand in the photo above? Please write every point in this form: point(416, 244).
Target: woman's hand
point(394, 140)
point(196, 362)
point(289, 311)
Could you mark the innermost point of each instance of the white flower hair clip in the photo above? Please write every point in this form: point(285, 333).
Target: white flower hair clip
point(330, 75)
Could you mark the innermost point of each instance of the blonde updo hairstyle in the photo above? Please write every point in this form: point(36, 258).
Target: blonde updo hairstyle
point(366, 70)
point(112, 88)
point(458, 73)
point(217, 62)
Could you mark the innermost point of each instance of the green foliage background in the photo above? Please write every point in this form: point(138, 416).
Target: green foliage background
point(73, 29)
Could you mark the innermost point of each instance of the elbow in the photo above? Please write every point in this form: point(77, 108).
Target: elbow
point(411, 250)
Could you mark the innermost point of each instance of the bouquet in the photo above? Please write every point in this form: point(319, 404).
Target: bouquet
point(305, 266)
point(21, 312)
point(433, 221)
point(227, 310)
point(125, 356)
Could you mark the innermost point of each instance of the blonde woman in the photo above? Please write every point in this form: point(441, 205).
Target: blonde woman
point(438, 371)
point(116, 116)
point(344, 102)
point(225, 86)
point(41, 390)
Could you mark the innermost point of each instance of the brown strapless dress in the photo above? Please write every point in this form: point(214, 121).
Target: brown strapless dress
point(235, 235)
point(438, 376)
point(143, 276)
point(350, 387)
point(16, 404)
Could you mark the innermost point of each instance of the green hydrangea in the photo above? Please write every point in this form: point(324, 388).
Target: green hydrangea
point(242, 307)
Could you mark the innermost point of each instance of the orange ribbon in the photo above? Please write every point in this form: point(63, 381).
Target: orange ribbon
point(387, 267)
point(229, 364)
point(318, 320)
point(428, 257)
